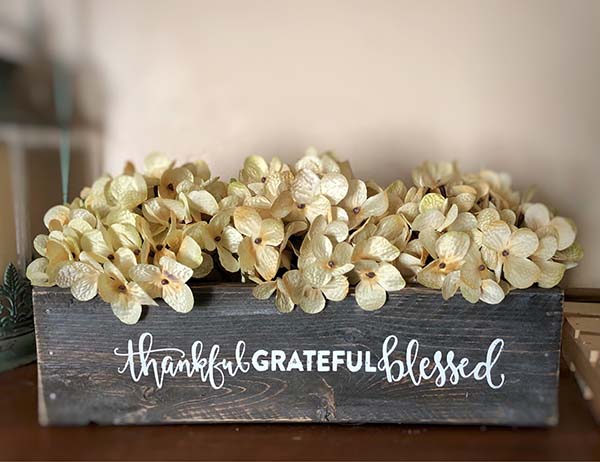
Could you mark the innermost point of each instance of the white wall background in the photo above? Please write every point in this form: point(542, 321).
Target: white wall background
point(510, 85)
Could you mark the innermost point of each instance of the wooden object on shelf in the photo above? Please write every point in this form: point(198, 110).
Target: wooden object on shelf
point(581, 349)
point(512, 350)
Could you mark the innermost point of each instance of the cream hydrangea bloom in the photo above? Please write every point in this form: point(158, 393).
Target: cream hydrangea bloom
point(510, 252)
point(375, 280)
point(167, 282)
point(125, 298)
point(257, 249)
point(303, 232)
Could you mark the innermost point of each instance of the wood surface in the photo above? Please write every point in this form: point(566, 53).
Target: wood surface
point(576, 437)
point(79, 383)
point(581, 349)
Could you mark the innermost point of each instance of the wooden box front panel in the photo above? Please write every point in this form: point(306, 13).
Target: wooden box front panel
point(87, 374)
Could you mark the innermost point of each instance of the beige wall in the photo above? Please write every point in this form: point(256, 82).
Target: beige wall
point(510, 85)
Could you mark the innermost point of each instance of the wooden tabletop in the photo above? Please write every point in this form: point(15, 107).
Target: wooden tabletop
point(575, 438)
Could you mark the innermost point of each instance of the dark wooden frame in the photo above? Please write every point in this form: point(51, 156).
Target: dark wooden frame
point(79, 382)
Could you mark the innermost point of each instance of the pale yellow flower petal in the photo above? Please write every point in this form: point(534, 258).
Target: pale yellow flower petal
point(127, 313)
point(566, 231)
point(231, 238)
point(312, 300)
point(176, 270)
point(155, 164)
point(536, 216)
point(267, 262)
point(389, 277)
point(39, 244)
point(370, 296)
point(334, 186)
point(453, 245)
point(521, 272)
point(375, 205)
point(125, 235)
point(546, 249)
point(357, 194)
point(320, 206)
point(376, 248)
point(428, 239)
point(450, 217)
point(37, 272)
point(283, 205)
point(431, 276)
point(179, 297)
point(316, 275)
point(432, 201)
point(247, 221)
point(551, 273)
point(203, 201)
point(170, 180)
point(491, 292)
point(496, 235)
point(228, 261)
point(450, 285)
point(486, 217)
point(85, 286)
point(305, 187)
point(464, 222)
point(336, 289)
point(321, 247)
point(190, 253)
point(271, 231)
point(470, 294)
point(128, 191)
point(264, 290)
point(206, 267)
point(59, 214)
point(255, 169)
point(430, 219)
point(523, 243)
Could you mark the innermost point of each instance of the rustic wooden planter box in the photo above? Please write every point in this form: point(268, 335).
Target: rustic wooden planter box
point(512, 349)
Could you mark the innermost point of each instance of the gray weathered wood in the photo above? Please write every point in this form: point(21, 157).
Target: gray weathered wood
point(79, 382)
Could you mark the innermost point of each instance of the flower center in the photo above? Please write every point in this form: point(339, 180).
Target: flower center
point(355, 210)
point(331, 263)
point(136, 252)
point(217, 239)
point(258, 240)
point(111, 257)
point(371, 274)
point(263, 179)
point(505, 253)
point(442, 265)
point(481, 267)
point(164, 282)
point(122, 288)
point(159, 247)
point(301, 206)
point(170, 187)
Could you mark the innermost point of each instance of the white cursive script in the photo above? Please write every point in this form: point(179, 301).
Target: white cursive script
point(143, 360)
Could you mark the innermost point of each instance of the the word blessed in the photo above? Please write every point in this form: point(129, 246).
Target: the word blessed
point(144, 359)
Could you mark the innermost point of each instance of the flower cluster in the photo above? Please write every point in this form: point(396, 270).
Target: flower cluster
point(304, 232)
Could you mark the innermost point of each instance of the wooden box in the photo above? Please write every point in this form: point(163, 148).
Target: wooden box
point(233, 358)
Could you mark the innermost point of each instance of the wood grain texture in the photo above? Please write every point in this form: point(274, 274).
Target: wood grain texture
point(79, 383)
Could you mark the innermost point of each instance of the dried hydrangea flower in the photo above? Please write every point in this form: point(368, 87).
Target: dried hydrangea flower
point(510, 252)
point(325, 261)
point(375, 280)
point(297, 231)
point(167, 282)
point(257, 249)
point(125, 298)
point(220, 235)
point(360, 207)
point(81, 277)
point(451, 250)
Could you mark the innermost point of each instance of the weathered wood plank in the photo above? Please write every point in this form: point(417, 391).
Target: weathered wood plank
point(79, 382)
